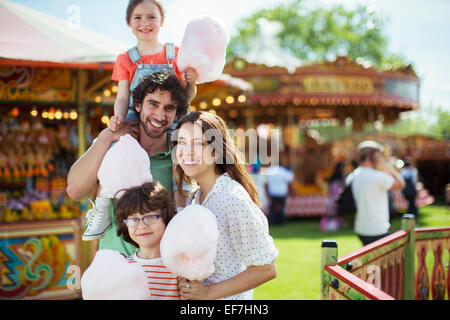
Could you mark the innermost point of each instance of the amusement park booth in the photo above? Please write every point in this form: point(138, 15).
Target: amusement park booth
point(48, 73)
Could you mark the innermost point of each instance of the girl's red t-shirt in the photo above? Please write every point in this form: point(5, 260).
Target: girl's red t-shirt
point(124, 68)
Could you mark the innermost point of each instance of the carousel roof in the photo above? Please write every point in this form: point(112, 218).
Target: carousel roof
point(337, 89)
point(27, 35)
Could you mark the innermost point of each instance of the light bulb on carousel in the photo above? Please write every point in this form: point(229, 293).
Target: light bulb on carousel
point(15, 112)
point(229, 99)
point(58, 114)
point(105, 119)
point(73, 115)
point(51, 113)
point(66, 114)
point(203, 105)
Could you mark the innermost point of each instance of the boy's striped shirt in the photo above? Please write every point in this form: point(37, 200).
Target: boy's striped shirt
point(162, 284)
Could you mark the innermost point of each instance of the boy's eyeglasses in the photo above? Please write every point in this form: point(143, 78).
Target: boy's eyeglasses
point(148, 220)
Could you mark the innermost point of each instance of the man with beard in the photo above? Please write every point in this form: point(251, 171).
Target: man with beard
point(159, 100)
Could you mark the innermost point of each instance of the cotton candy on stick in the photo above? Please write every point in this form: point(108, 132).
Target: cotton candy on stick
point(203, 48)
point(111, 277)
point(125, 165)
point(189, 244)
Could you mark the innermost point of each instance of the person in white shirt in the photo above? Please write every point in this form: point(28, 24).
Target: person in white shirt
point(370, 184)
point(278, 180)
point(246, 253)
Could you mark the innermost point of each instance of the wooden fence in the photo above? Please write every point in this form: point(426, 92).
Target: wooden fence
point(386, 269)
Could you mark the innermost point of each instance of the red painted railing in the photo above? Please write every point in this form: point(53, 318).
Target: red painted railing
point(380, 263)
point(385, 269)
point(436, 239)
point(360, 286)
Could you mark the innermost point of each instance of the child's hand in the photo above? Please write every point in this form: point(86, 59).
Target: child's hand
point(190, 75)
point(115, 123)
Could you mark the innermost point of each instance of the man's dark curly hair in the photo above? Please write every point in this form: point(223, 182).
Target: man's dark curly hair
point(163, 81)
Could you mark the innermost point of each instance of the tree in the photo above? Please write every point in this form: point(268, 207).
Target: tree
point(442, 126)
point(429, 121)
point(322, 34)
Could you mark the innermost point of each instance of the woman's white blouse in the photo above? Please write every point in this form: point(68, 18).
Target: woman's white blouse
point(244, 238)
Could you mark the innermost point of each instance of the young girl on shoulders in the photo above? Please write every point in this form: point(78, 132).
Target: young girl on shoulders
point(149, 56)
point(145, 19)
point(204, 152)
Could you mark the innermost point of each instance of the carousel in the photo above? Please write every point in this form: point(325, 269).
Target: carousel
point(342, 96)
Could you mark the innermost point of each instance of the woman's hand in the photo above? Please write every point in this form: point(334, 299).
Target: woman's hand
point(192, 289)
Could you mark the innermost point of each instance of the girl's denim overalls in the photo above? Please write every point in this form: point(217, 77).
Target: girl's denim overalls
point(144, 70)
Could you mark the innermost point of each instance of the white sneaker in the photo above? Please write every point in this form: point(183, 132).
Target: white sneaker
point(98, 222)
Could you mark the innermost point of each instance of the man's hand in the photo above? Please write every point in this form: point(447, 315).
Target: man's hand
point(384, 165)
point(379, 161)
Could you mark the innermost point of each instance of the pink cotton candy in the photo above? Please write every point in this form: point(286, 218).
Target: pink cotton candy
point(111, 277)
point(189, 244)
point(125, 165)
point(203, 48)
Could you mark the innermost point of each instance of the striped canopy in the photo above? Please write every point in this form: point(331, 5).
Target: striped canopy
point(27, 34)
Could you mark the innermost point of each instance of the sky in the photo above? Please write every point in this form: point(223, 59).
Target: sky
point(419, 30)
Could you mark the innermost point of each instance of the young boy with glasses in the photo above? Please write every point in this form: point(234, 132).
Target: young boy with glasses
point(142, 214)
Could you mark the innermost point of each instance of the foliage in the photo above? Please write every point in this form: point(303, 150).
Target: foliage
point(442, 126)
point(322, 34)
point(429, 121)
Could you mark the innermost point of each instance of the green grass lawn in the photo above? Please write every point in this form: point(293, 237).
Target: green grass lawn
point(299, 241)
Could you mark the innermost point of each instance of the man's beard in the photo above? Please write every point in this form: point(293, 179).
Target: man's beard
point(143, 123)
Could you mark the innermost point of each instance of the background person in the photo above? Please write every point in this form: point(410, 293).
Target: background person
point(411, 177)
point(370, 184)
point(279, 178)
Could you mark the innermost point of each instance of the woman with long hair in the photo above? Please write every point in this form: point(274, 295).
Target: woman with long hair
point(203, 150)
